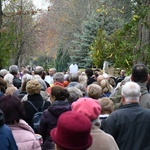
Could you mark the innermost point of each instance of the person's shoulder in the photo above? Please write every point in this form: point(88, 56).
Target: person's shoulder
point(4, 129)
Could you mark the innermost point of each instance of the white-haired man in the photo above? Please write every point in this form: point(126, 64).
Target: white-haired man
point(130, 124)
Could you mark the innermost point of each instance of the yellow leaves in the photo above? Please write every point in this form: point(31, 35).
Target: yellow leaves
point(135, 17)
point(127, 62)
point(98, 10)
point(110, 55)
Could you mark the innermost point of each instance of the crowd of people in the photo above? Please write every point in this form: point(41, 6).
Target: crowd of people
point(81, 110)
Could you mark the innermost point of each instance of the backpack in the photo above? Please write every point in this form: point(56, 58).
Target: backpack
point(37, 116)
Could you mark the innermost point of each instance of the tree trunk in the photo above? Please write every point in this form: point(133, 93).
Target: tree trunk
point(144, 36)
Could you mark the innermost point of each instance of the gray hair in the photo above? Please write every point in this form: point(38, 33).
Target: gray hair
point(58, 77)
point(41, 81)
point(74, 94)
point(3, 72)
point(74, 77)
point(9, 78)
point(38, 70)
point(131, 91)
point(13, 69)
point(26, 77)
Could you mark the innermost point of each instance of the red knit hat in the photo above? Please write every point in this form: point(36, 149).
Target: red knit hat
point(87, 106)
point(72, 131)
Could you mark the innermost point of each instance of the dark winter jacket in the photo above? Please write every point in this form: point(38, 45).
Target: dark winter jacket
point(130, 127)
point(49, 119)
point(7, 141)
point(37, 101)
point(17, 82)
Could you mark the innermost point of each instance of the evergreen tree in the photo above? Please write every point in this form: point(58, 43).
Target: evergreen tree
point(62, 59)
point(101, 19)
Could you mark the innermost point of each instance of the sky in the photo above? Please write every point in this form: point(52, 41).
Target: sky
point(41, 4)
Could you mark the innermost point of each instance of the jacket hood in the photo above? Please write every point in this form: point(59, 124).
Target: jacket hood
point(23, 125)
point(58, 107)
point(143, 88)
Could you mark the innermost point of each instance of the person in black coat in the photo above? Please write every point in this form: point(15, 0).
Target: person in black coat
point(129, 125)
point(33, 88)
point(50, 116)
point(89, 73)
point(14, 70)
point(7, 141)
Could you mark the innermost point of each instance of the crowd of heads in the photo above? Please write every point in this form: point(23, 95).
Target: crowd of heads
point(88, 93)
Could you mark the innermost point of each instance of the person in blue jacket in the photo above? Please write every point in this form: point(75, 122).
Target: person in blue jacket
point(7, 141)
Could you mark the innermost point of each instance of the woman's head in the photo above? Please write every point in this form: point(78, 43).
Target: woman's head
point(12, 108)
point(33, 87)
point(59, 93)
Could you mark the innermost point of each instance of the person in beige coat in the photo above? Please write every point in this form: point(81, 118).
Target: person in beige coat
point(91, 108)
point(23, 134)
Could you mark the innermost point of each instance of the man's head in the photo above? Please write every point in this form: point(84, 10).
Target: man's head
point(13, 69)
point(122, 72)
point(74, 77)
point(130, 93)
point(139, 73)
point(58, 77)
point(52, 71)
point(39, 70)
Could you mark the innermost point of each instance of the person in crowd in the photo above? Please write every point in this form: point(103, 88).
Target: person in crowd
point(39, 71)
point(106, 88)
point(91, 108)
point(89, 73)
point(49, 78)
point(148, 84)
point(33, 88)
point(43, 86)
point(11, 89)
point(73, 79)
point(21, 72)
point(100, 78)
point(3, 86)
point(14, 70)
point(74, 94)
point(73, 134)
point(112, 82)
point(140, 76)
point(50, 116)
point(94, 91)
point(7, 141)
point(43, 92)
point(26, 76)
point(24, 135)
point(58, 80)
point(126, 122)
point(3, 72)
point(116, 95)
point(83, 79)
point(107, 106)
point(23, 90)
point(121, 77)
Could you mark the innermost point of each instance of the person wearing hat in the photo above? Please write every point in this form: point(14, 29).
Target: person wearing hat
point(73, 134)
point(7, 141)
point(91, 108)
